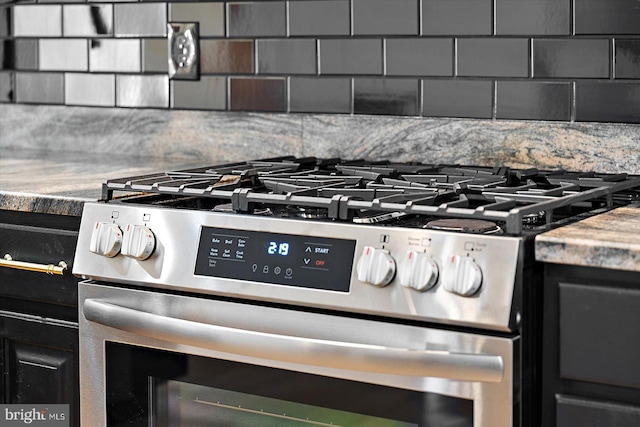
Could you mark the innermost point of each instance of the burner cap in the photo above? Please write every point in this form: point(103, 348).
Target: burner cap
point(464, 226)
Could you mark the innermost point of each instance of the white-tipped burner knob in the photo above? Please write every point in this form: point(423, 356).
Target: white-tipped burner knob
point(461, 275)
point(418, 271)
point(376, 266)
point(139, 242)
point(106, 239)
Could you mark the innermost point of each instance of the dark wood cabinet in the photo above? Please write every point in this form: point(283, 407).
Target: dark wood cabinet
point(38, 312)
point(591, 347)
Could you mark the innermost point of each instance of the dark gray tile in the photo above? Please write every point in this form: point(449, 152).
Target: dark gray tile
point(457, 98)
point(290, 56)
point(457, 17)
point(26, 54)
point(373, 17)
point(533, 100)
point(385, 96)
point(87, 20)
point(19, 54)
point(571, 58)
point(142, 91)
point(226, 57)
point(257, 19)
point(627, 59)
point(115, 55)
point(5, 21)
point(63, 55)
point(345, 56)
point(210, 16)
point(6, 87)
point(155, 58)
point(493, 57)
point(320, 95)
point(37, 20)
point(255, 94)
point(419, 57)
point(39, 88)
point(140, 19)
point(607, 16)
point(608, 102)
point(533, 17)
point(319, 18)
point(90, 89)
point(208, 93)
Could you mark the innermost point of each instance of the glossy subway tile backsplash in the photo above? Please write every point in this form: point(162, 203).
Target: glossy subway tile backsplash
point(387, 17)
point(87, 20)
point(550, 60)
point(567, 58)
point(539, 18)
point(37, 20)
point(90, 89)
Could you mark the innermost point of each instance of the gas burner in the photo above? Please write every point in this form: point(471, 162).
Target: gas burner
point(228, 208)
point(304, 212)
point(535, 218)
point(377, 217)
point(387, 193)
point(474, 226)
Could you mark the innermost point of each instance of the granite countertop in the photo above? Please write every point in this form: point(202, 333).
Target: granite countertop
point(54, 183)
point(609, 240)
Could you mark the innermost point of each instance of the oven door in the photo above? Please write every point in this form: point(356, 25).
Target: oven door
point(159, 359)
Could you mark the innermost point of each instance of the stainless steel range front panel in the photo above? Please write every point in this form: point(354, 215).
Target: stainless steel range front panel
point(487, 261)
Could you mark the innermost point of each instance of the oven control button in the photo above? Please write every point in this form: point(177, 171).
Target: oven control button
point(139, 242)
point(376, 266)
point(461, 276)
point(418, 271)
point(106, 239)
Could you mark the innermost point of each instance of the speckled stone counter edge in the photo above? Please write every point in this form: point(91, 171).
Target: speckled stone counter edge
point(610, 240)
point(41, 203)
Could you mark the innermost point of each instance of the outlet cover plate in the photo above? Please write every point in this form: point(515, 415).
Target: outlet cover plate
point(183, 49)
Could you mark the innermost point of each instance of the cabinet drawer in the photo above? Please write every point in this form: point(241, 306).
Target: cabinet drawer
point(38, 245)
point(575, 411)
point(599, 339)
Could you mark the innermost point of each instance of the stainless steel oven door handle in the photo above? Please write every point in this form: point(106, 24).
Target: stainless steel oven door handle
point(293, 349)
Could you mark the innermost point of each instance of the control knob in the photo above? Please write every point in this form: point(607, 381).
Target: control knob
point(139, 242)
point(106, 239)
point(461, 276)
point(376, 266)
point(418, 271)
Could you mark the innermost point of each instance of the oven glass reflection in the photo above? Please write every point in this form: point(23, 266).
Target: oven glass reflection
point(182, 404)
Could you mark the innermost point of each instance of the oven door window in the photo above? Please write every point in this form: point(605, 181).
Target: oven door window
point(148, 387)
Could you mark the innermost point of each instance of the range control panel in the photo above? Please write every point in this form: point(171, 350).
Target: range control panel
point(436, 276)
point(283, 259)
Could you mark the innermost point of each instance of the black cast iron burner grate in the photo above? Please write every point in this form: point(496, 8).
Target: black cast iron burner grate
point(346, 188)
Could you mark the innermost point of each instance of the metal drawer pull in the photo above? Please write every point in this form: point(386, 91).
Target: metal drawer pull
point(30, 266)
point(300, 350)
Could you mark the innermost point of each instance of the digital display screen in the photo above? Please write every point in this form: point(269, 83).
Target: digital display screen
point(282, 259)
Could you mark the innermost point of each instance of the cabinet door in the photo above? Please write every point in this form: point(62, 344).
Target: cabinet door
point(40, 362)
point(577, 411)
point(33, 292)
point(591, 347)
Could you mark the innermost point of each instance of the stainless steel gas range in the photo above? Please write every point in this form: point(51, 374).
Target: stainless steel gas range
point(304, 291)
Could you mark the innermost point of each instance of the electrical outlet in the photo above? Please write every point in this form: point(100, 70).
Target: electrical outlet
point(184, 52)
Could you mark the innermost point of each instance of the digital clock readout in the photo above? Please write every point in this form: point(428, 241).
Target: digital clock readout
point(281, 259)
point(278, 248)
